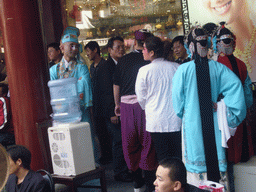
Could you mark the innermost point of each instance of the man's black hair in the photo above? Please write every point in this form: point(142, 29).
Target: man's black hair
point(179, 38)
point(112, 39)
point(177, 169)
point(92, 45)
point(4, 88)
point(56, 46)
point(155, 44)
point(168, 52)
point(140, 42)
point(20, 152)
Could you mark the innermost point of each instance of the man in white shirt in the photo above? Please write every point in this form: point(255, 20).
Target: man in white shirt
point(154, 94)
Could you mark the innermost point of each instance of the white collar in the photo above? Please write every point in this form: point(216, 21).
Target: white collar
point(67, 63)
point(114, 60)
point(158, 59)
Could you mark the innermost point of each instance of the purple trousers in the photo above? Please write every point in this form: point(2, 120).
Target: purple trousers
point(138, 148)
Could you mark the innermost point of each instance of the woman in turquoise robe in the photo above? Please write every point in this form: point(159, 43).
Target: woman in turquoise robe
point(186, 105)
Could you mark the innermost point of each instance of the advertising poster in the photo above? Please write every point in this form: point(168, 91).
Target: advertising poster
point(240, 18)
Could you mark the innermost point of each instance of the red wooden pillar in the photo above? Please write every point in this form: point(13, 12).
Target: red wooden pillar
point(27, 72)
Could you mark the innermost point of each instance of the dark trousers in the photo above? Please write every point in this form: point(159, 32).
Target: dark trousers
point(110, 139)
point(103, 136)
point(167, 144)
point(117, 150)
point(230, 170)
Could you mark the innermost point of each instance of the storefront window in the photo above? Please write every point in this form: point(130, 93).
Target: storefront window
point(100, 19)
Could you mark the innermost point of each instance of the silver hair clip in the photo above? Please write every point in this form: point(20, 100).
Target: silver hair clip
point(226, 36)
point(202, 37)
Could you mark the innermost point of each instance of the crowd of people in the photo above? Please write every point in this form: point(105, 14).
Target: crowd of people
point(143, 104)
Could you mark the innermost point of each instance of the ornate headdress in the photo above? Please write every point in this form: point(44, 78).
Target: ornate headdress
point(197, 43)
point(224, 40)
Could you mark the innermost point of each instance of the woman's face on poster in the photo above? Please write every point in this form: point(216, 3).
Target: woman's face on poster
point(224, 10)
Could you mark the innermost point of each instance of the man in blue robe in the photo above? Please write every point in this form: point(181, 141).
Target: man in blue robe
point(70, 66)
point(196, 87)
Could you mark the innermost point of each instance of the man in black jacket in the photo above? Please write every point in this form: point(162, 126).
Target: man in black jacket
point(92, 50)
point(179, 50)
point(54, 54)
point(105, 120)
point(22, 178)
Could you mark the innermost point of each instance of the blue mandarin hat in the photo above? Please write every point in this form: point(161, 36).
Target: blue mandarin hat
point(70, 34)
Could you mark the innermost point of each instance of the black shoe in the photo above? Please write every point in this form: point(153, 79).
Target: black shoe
point(124, 177)
point(139, 184)
point(105, 160)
